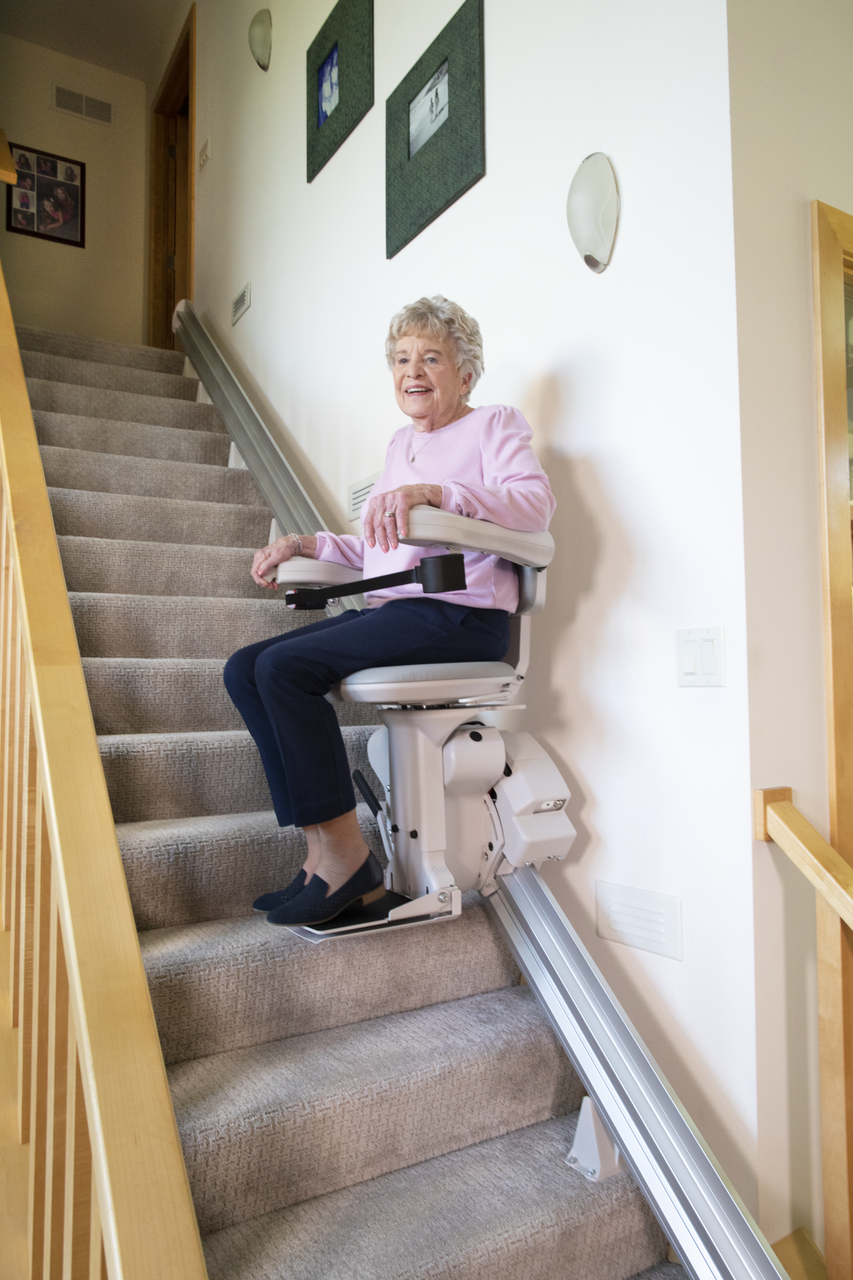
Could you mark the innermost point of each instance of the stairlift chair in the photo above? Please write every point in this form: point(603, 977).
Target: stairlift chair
point(464, 802)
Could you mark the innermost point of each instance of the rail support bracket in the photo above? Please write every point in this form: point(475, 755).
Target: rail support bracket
point(594, 1153)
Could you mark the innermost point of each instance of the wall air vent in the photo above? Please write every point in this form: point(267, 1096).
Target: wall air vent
point(638, 918)
point(241, 303)
point(357, 493)
point(78, 104)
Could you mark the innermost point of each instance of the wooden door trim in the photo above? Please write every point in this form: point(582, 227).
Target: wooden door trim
point(832, 244)
point(178, 83)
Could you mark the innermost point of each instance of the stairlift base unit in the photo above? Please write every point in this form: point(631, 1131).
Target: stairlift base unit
point(463, 802)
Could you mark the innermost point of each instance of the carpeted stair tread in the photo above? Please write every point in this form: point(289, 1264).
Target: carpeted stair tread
point(148, 477)
point(128, 406)
point(128, 517)
point(170, 695)
point(274, 1124)
point(150, 626)
point(100, 349)
point(159, 695)
point(184, 870)
point(111, 377)
point(181, 775)
point(157, 568)
point(131, 439)
point(228, 984)
point(506, 1209)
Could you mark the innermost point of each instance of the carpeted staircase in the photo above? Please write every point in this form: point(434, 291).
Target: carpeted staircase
point(373, 1109)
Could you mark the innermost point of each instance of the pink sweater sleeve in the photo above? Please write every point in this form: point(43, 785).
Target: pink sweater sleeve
point(515, 493)
point(341, 548)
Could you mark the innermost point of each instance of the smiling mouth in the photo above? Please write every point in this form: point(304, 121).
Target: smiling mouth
point(418, 391)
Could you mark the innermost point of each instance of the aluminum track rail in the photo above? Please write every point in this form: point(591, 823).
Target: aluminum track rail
point(288, 501)
point(700, 1212)
point(293, 509)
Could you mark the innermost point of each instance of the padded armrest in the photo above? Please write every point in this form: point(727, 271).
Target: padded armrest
point(430, 527)
point(302, 572)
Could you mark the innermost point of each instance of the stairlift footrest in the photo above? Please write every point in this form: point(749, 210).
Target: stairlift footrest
point(441, 902)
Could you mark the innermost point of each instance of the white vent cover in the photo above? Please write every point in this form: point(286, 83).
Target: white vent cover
point(357, 493)
point(648, 921)
point(79, 104)
point(241, 303)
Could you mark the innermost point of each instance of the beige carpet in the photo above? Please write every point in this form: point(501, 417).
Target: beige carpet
point(385, 1108)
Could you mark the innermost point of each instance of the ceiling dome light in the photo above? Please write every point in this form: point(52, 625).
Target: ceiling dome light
point(592, 210)
point(260, 38)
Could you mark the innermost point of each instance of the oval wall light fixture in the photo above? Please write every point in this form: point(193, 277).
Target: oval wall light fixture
point(260, 38)
point(592, 210)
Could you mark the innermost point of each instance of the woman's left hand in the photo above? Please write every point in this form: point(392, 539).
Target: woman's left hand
point(385, 517)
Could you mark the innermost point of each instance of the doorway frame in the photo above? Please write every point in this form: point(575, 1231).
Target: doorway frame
point(178, 83)
point(832, 247)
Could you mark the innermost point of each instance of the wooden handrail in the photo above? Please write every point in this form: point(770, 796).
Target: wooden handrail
point(777, 819)
point(107, 1175)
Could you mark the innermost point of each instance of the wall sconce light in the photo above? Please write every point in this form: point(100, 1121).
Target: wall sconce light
point(260, 38)
point(592, 210)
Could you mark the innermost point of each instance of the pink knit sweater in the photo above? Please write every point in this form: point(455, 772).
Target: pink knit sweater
point(488, 471)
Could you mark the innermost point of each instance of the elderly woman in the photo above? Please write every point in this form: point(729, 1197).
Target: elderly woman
point(475, 462)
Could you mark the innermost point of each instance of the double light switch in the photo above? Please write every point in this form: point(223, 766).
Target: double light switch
point(701, 657)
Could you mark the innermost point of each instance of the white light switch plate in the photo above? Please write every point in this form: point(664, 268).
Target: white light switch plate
point(702, 657)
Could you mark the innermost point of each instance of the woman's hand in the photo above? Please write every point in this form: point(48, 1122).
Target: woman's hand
point(385, 518)
point(277, 553)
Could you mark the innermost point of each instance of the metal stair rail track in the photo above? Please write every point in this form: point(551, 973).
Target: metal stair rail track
point(700, 1212)
point(293, 509)
point(698, 1209)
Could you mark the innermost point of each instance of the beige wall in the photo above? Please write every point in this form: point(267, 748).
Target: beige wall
point(97, 290)
point(792, 122)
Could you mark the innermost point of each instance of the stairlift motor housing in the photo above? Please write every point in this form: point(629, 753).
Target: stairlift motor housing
point(462, 801)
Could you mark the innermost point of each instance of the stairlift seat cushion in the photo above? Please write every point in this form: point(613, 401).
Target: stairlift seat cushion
point(435, 682)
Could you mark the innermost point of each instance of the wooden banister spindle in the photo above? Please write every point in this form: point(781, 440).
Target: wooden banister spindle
point(28, 941)
point(78, 1173)
point(22, 790)
point(7, 731)
point(57, 1100)
point(39, 1050)
point(97, 1257)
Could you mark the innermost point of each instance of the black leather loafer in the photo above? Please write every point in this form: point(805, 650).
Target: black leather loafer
point(313, 906)
point(269, 901)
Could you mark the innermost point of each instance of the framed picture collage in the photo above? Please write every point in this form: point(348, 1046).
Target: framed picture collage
point(435, 119)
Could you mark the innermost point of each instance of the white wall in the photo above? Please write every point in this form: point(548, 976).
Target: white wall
point(630, 381)
point(96, 290)
point(792, 120)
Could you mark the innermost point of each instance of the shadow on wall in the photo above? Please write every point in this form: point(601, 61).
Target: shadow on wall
point(589, 573)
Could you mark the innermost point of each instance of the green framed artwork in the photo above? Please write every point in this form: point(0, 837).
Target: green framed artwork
point(435, 144)
point(339, 80)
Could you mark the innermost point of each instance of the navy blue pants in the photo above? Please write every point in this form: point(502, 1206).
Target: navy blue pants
point(279, 688)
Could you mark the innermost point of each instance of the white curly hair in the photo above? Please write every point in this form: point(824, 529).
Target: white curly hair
point(444, 320)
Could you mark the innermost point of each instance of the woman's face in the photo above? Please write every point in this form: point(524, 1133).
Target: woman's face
point(427, 384)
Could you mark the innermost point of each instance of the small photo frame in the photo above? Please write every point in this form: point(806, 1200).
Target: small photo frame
point(49, 199)
point(435, 142)
point(339, 80)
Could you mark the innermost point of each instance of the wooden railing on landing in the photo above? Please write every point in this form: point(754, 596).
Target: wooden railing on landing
point(776, 818)
point(108, 1190)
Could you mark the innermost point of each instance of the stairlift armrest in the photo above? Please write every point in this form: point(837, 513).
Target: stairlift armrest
point(431, 527)
point(302, 572)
